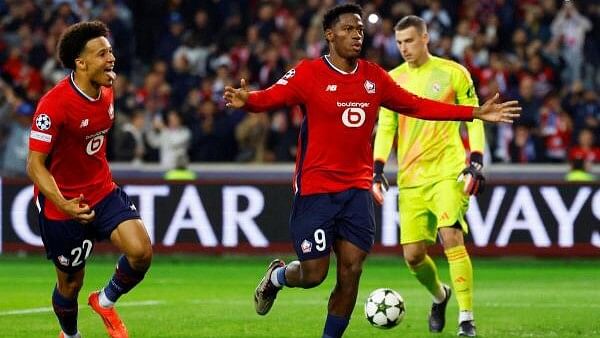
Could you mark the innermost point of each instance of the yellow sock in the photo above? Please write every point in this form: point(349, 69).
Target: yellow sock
point(461, 272)
point(426, 273)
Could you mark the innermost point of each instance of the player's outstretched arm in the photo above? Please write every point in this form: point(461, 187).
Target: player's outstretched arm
point(41, 177)
point(494, 111)
point(236, 97)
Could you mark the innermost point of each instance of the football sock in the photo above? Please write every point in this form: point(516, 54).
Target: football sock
point(104, 301)
point(278, 276)
point(66, 312)
point(76, 335)
point(335, 326)
point(461, 272)
point(464, 316)
point(123, 280)
point(427, 275)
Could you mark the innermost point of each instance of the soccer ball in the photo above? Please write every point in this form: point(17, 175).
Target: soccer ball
point(384, 308)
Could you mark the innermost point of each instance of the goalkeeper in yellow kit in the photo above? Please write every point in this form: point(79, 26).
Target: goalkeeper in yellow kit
point(431, 157)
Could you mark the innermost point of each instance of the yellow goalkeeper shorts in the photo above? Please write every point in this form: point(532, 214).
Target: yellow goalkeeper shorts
point(426, 208)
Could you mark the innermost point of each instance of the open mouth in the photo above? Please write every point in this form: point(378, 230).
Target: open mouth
point(357, 46)
point(110, 73)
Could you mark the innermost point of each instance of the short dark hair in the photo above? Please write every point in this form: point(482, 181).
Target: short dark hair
point(333, 15)
point(411, 21)
point(73, 40)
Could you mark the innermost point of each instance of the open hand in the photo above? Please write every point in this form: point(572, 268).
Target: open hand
point(498, 112)
point(236, 97)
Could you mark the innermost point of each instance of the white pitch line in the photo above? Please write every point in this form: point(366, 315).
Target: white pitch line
point(49, 309)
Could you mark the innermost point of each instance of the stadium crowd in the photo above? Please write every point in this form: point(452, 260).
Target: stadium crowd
point(174, 58)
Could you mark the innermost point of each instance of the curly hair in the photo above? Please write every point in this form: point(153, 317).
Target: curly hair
point(73, 40)
point(333, 15)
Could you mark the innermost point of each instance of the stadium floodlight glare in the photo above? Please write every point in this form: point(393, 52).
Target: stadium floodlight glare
point(373, 18)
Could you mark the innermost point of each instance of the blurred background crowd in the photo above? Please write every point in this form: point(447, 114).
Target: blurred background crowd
point(174, 58)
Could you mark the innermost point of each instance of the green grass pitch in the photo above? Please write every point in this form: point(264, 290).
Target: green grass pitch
point(212, 297)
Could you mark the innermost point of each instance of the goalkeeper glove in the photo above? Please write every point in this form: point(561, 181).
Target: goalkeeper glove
point(472, 176)
point(378, 176)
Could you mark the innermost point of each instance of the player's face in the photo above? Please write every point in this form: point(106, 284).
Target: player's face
point(347, 35)
point(98, 62)
point(412, 44)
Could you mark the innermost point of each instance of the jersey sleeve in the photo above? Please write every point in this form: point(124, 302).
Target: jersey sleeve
point(46, 125)
point(287, 91)
point(401, 101)
point(466, 95)
point(387, 126)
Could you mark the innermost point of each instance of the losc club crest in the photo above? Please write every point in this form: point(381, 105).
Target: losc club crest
point(306, 246)
point(111, 111)
point(369, 87)
point(63, 260)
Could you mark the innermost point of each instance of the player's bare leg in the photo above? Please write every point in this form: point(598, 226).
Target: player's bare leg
point(306, 274)
point(131, 238)
point(350, 259)
point(461, 273)
point(64, 301)
point(424, 269)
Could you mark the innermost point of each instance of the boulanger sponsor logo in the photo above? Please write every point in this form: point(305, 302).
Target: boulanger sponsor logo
point(95, 142)
point(43, 122)
point(353, 104)
point(354, 116)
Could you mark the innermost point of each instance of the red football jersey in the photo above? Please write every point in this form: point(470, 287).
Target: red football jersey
point(72, 129)
point(335, 149)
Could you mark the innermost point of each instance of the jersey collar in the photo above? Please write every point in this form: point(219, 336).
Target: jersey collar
point(326, 57)
point(78, 90)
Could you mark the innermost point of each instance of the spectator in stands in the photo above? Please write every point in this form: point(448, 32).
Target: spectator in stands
point(555, 130)
point(524, 148)
point(17, 144)
point(213, 134)
point(251, 136)
point(570, 27)
point(282, 139)
point(530, 115)
point(586, 147)
point(129, 143)
point(172, 139)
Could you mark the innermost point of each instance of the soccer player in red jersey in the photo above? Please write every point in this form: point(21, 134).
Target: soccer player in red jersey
point(340, 95)
point(78, 201)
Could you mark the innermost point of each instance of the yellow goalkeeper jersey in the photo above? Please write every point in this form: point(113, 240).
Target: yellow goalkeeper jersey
point(429, 151)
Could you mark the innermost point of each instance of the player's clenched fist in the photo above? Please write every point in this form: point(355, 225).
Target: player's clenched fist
point(380, 183)
point(472, 176)
point(78, 210)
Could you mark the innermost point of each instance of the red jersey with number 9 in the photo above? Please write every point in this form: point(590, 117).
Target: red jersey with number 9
point(72, 128)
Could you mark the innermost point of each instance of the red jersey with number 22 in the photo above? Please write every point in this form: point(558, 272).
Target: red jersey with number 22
point(340, 110)
point(72, 129)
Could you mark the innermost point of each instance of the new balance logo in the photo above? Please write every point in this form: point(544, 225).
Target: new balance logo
point(84, 123)
point(331, 88)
